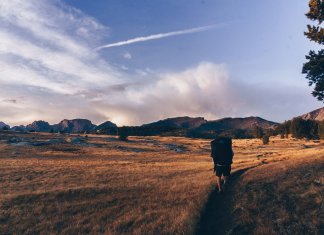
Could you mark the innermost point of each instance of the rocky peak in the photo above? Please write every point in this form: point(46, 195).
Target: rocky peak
point(238, 123)
point(317, 115)
point(74, 126)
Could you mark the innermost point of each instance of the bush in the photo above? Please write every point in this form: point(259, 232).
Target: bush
point(123, 133)
point(265, 139)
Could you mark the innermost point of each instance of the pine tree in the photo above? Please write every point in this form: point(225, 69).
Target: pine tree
point(321, 129)
point(257, 132)
point(314, 67)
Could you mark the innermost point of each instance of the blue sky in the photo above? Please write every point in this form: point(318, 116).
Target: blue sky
point(249, 63)
point(258, 35)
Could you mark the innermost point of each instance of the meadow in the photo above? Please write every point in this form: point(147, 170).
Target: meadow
point(70, 184)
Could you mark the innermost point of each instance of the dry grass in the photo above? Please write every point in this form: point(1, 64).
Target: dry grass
point(281, 198)
point(153, 185)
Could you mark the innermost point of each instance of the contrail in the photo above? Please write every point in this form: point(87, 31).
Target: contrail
point(156, 36)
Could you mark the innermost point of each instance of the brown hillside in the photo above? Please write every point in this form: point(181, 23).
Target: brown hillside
point(238, 123)
point(178, 122)
point(317, 115)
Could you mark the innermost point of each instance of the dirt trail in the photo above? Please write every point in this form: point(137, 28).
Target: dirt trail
point(216, 218)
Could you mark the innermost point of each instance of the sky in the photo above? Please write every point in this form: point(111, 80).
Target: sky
point(134, 62)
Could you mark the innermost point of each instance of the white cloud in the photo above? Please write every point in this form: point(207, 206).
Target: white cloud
point(43, 42)
point(203, 90)
point(49, 71)
point(127, 55)
point(157, 36)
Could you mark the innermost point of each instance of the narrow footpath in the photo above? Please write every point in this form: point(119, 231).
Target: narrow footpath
point(216, 218)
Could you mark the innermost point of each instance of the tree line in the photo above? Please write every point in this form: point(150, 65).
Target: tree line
point(300, 128)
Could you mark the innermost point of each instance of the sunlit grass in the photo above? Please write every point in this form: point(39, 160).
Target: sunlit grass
point(148, 185)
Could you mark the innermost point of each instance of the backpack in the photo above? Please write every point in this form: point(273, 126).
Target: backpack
point(221, 151)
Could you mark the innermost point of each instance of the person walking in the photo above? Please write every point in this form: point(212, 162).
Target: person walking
point(222, 154)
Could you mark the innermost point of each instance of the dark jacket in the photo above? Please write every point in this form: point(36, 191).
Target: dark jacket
point(221, 151)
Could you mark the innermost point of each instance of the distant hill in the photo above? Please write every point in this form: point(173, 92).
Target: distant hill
point(20, 128)
point(317, 115)
point(232, 127)
point(39, 126)
point(238, 123)
point(177, 126)
point(74, 126)
point(177, 122)
point(201, 128)
point(106, 128)
point(4, 126)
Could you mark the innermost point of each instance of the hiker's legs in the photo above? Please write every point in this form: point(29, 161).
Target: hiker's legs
point(219, 183)
point(225, 178)
point(218, 173)
point(226, 173)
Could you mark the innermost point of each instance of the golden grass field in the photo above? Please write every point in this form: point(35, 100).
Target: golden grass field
point(158, 185)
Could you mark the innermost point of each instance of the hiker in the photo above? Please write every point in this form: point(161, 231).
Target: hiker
point(222, 154)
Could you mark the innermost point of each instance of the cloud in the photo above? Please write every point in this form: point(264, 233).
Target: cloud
point(207, 90)
point(13, 101)
point(48, 66)
point(127, 55)
point(42, 104)
point(157, 36)
point(46, 56)
point(41, 45)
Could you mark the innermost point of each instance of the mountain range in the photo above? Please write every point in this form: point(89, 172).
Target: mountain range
point(66, 126)
point(178, 126)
